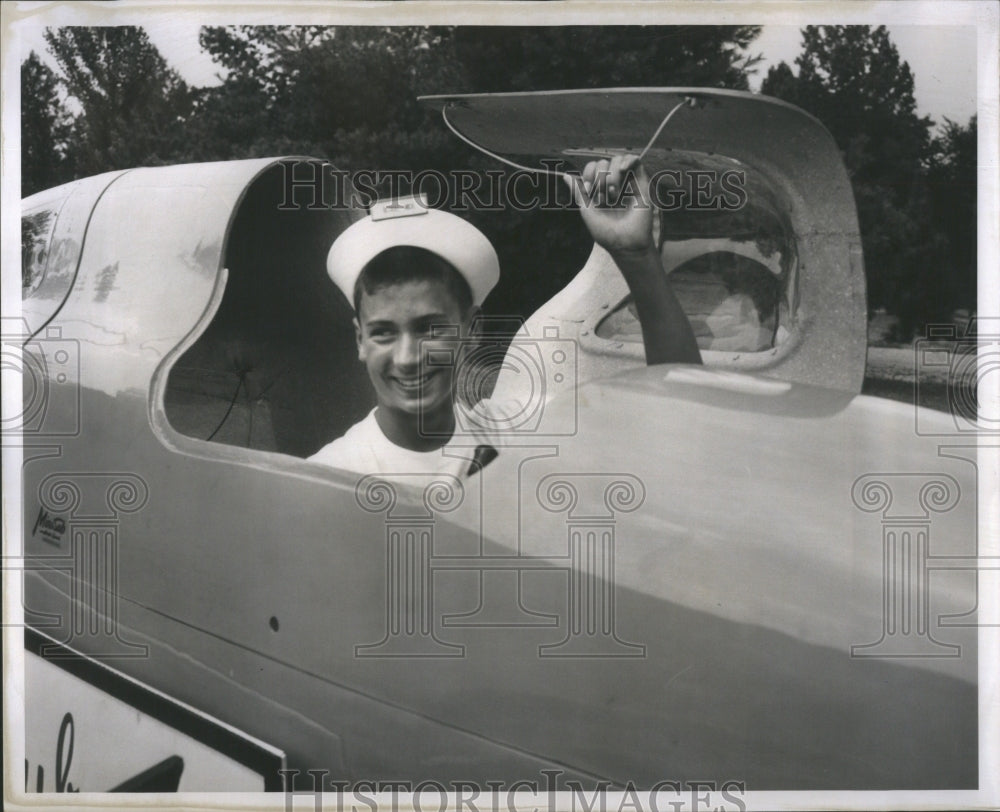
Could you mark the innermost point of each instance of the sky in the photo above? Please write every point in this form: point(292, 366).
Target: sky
point(942, 58)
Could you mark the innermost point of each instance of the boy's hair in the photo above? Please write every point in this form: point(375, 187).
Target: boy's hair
point(406, 263)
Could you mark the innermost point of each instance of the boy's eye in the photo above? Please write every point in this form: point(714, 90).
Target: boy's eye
point(436, 329)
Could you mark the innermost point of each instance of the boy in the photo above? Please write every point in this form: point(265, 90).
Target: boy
point(417, 281)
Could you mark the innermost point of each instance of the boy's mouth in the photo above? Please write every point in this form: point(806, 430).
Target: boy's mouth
point(413, 383)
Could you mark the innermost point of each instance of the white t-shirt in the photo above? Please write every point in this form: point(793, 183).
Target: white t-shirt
point(364, 449)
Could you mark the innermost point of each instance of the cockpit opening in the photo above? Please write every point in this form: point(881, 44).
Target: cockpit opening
point(276, 369)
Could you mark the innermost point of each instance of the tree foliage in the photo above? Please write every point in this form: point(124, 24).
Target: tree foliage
point(853, 80)
point(951, 179)
point(552, 58)
point(347, 94)
point(45, 128)
point(133, 105)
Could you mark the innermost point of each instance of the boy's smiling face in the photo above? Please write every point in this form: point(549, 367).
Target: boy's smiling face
point(398, 327)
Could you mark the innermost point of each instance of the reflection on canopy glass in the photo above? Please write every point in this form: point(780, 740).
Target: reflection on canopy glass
point(728, 249)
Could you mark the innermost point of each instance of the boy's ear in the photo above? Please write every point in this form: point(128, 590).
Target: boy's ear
point(357, 338)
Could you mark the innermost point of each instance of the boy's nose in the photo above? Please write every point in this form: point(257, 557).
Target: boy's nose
point(407, 352)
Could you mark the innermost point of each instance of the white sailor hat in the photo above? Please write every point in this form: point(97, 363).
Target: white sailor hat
point(408, 221)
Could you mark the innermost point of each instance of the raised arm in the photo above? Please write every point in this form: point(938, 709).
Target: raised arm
point(614, 202)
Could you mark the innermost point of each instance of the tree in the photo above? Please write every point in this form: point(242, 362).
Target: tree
point(854, 82)
point(852, 79)
point(952, 181)
point(348, 93)
point(781, 83)
point(558, 57)
point(45, 128)
point(133, 104)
